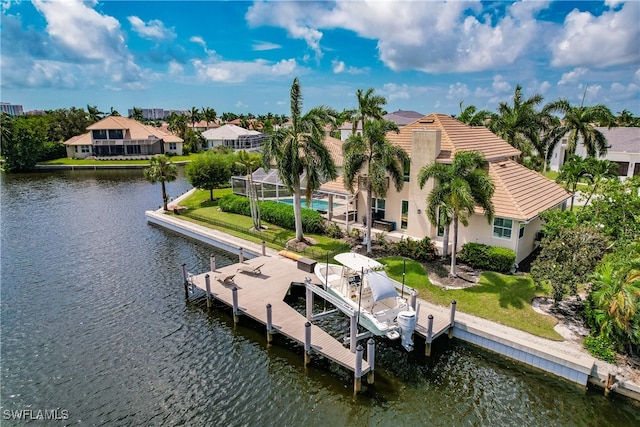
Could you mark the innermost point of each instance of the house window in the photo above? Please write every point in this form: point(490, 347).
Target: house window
point(172, 146)
point(636, 169)
point(99, 134)
point(377, 208)
point(407, 170)
point(84, 148)
point(521, 232)
point(502, 228)
point(623, 168)
point(116, 134)
point(133, 149)
point(405, 215)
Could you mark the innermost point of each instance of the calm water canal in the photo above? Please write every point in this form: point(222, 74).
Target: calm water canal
point(94, 323)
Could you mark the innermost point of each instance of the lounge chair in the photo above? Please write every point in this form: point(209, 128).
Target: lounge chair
point(226, 279)
point(254, 271)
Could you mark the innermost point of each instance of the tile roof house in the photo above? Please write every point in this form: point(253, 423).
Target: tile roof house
point(624, 149)
point(117, 136)
point(400, 117)
point(520, 194)
point(235, 137)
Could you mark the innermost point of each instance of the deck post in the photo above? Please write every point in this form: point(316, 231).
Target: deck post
point(186, 283)
point(412, 299)
point(417, 310)
point(307, 343)
point(234, 293)
point(427, 349)
point(269, 324)
point(308, 299)
point(207, 282)
point(240, 255)
point(264, 248)
point(353, 331)
point(371, 358)
point(453, 317)
point(357, 373)
point(212, 261)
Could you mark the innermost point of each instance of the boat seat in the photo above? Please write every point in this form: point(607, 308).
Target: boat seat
point(333, 278)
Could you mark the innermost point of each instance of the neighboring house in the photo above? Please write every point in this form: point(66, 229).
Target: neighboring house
point(235, 137)
point(202, 125)
point(624, 149)
point(400, 117)
point(520, 194)
point(122, 137)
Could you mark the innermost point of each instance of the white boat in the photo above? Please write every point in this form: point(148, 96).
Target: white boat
point(363, 284)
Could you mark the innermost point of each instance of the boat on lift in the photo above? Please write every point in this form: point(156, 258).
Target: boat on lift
point(362, 283)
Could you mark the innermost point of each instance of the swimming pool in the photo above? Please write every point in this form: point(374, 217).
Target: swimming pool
point(318, 205)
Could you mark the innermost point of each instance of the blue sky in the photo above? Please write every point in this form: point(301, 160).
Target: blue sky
point(242, 56)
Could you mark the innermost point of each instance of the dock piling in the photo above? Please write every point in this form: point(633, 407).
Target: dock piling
point(212, 261)
point(186, 283)
point(240, 255)
point(371, 358)
point(234, 294)
point(353, 331)
point(264, 248)
point(412, 299)
point(308, 299)
point(269, 324)
point(207, 282)
point(453, 317)
point(427, 349)
point(357, 373)
point(307, 343)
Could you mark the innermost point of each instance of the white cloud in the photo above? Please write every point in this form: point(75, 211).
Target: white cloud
point(458, 91)
point(199, 40)
point(340, 67)
point(260, 46)
point(241, 71)
point(337, 66)
point(599, 41)
point(393, 91)
point(154, 29)
point(572, 76)
point(500, 85)
point(175, 68)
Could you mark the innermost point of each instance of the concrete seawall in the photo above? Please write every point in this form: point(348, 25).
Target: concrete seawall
point(558, 358)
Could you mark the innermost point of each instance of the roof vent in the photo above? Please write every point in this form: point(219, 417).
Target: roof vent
point(426, 121)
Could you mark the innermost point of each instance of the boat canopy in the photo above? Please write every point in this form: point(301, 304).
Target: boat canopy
point(358, 262)
point(381, 285)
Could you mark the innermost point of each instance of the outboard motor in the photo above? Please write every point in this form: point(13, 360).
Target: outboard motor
point(407, 324)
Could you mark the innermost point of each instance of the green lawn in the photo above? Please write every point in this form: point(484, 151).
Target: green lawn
point(502, 298)
point(75, 162)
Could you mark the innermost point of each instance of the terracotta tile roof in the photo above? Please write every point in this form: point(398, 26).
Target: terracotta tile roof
point(133, 129)
point(84, 139)
point(521, 193)
point(456, 136)
point(337, 187)
point(334, 146)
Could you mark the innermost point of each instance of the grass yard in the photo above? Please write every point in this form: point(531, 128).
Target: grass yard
point(502, 298)
point(75, 162)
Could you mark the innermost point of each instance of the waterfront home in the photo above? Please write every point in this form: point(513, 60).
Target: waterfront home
point(623, 149)
point(120, 137)
point(233, 136)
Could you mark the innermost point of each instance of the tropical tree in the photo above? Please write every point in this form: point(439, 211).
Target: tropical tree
point(580, 124)
point(161, 170)
point(616, 298)
point(459, 187)
point(597, 172)
point(114, 112)
point(209, 114)
point(570, 174)
point(370, 158)
point(369, 108)
point(94, 113)
point(471, 116)
point(177, 124)
point(194, 117)
point(299, 149)
point(137, 115)
point(626, 119)
point(249, 163)
point(208, 171)
point(24, 145)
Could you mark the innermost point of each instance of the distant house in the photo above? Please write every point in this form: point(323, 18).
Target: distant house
point(520, 194)
point(233, 136)
point(624, 149)
point(203, 125)
point(400, 117)
point(116, 136)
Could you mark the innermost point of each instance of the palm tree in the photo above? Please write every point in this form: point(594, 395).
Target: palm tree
point(209, 114)
point(369, 108)
point(162, 170)
point(598, 171)
point(114, 112)
point(472, 117)
point(194, 117)
point(250, 163)
point(370, 158)
point(299, 149)
point(579, 123)
point(178, 124)
point(137, 114)
point(520, 125)
point(94, 113)
point(460, 187)
point(627, 119)
point(570, 174)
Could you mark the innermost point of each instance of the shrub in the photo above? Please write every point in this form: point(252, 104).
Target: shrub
point(235, 204)
point(601, 347)
point(333, 230)
point(418, 250)
point(487, 257)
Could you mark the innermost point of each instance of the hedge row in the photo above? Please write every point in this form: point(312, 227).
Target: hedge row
point(279, 214)
point(418, 250)
point(487, 257)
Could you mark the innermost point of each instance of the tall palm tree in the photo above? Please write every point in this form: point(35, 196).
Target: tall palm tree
point(570, 174)
point(94, 113)
point(209, 114)
point(161, 170)
point(299, 149)
point(370, 158)
point(471, 116)
point(597, 172)
point(137, 114)
point(627, 119)
point(195, 117)
point(114, 112)
point(369, 108)
point(580, 123)
point(178, 124)
point(519, 124)
point(460, 187)
point(250, 163)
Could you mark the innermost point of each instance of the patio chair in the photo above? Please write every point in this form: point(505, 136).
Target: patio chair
point(254, 271)
point(226, 279)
